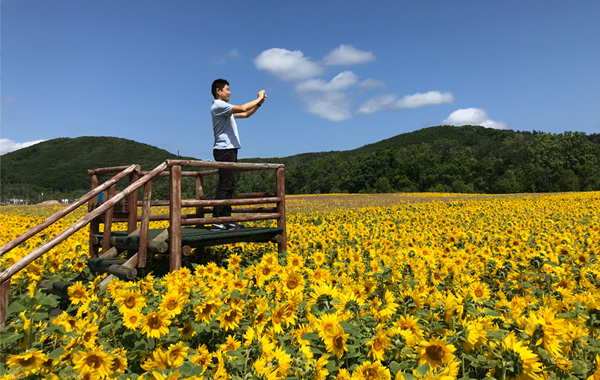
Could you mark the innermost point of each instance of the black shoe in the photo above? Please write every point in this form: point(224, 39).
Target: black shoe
point(234, 226)
point(219, 227)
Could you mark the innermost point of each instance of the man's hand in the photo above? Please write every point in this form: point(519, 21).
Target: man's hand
point(262, 95)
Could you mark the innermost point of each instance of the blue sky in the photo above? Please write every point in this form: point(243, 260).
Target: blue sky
point(338, 74)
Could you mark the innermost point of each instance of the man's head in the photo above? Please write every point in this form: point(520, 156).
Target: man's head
point(220, 89)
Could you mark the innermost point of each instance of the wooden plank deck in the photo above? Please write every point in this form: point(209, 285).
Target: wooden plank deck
point(201, 237)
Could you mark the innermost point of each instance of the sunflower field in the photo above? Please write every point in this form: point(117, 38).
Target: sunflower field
point(399, 286)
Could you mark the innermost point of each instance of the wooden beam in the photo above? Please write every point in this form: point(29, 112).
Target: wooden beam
point(241, 166)
point(144, 225)
point(280, 178)
point(4, 294)
point(175, 221)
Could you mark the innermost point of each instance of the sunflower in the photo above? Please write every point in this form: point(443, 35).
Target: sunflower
point(378, 345)
point(202, 358)
point(156, 324)
point(518, 361)
point(186, 332)
point(292, 282)
point(94, 362)
point(552, 329)
point(177, 353)
point(335, 342)
point(230, 319)
point(389, 306)
point(119, 360)
point(343, 374)
point(479, 291)
point(231, 344)
point(28, 362)
point(129, 299)
point(132, 319)
point(282, 362)
point(321, 371)
point(78, 294)
point(326, 325)
point(371, 371)
point(206, 311)
point(436, 352)
point(172, 303)
point(322, 293)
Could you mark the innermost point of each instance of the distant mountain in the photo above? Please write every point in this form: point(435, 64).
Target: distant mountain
point(442, 158)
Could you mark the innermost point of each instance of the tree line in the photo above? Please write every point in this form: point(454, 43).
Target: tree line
point(468, 159)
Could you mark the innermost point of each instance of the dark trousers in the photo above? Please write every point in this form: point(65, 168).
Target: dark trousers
point(226, 186)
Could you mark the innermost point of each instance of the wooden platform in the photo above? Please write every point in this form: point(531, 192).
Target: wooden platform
point(201, 237)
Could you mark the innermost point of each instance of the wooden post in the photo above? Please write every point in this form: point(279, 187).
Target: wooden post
point(108, 217)
point(199, 194)
point(132, 203)
point(4, 294)
point(144, 225)
point(175, 219)
point(94, 224)
point(280, 180)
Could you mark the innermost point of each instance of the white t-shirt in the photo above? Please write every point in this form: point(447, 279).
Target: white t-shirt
point(224, 126)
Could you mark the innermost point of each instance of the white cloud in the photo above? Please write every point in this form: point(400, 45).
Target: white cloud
point(286, 64)
point(233, 53)
point(378, 103)
point(7, 146)
point(473, 116)
point(340, 82)
point(334, 106)
point(390, 102)
point(347, 55)
point(428, 98)
point(371, 83)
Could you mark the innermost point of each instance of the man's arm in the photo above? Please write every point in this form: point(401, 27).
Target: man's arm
point(248, 109)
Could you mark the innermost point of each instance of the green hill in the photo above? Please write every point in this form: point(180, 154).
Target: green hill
point(442, 158)
point(58, 167)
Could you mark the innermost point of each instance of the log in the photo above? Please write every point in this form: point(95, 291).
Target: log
point(129, 263)
point(123, 272)
point(144, 225)
point(175, 220)
point(101, 264)
point(110, 253)
point(111, 170)
point(230, 219)
point(280, 179)
point(229, 202)
point(241, 166)
point(186, 250)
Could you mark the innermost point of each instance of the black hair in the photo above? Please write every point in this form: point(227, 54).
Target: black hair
point(218, 84)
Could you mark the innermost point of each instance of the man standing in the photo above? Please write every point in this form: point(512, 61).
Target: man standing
point(227, 142)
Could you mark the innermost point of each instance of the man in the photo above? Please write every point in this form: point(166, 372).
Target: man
point(227, 142)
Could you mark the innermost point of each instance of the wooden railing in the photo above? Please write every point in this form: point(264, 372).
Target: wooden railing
point(122, 206)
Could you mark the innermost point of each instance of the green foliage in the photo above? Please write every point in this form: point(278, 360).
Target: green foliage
point(468, 159)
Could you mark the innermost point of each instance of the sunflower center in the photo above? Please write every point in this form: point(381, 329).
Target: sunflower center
point(171, 305)
point(378, 345)
point(93, 361)
point(154, 323)
point(435, 352)
point(338, 342)
point(292, 283)
point(130, 302)
point(30, 361)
